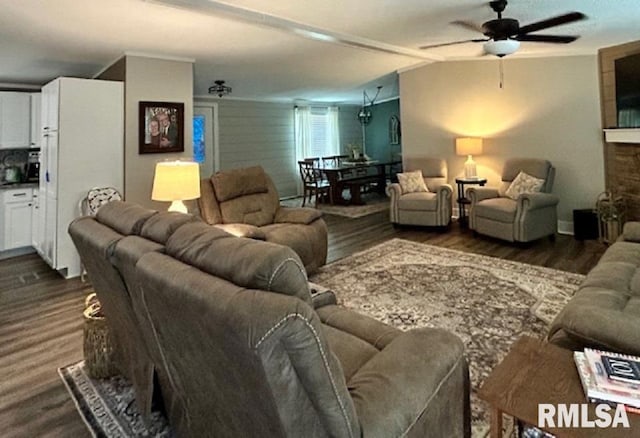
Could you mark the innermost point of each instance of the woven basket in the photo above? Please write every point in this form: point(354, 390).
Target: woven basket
point(98, 343)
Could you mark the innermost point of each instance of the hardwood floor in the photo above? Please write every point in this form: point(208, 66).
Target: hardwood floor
point(41, 314)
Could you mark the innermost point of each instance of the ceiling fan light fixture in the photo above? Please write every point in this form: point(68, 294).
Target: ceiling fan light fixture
point(501, 48)
point(219, 88)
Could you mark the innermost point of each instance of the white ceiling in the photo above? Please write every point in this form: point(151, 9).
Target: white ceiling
point(43, 39)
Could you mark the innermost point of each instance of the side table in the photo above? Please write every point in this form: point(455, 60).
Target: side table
point(462, 199)
point(536, 372)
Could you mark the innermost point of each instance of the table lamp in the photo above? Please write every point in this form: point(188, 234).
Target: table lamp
point(176, 181)
point(469, 146)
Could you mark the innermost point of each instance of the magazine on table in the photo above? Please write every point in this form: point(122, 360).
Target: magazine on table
point(596, 393)
point(599, 360)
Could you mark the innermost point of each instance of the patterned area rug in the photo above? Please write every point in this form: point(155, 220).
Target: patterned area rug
point(107, 406)
point(487, 302)
point(374, 203)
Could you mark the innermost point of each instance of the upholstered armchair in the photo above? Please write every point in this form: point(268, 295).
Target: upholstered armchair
point(529, 217)
point(432, 208)
point(245, 203)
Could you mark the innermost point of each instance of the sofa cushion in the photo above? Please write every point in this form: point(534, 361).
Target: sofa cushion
point(631, 231)
point(234, 183)
point(124, 217)
point(297, 215)
point(161, 226)
point(497, 209)
point(419, 201)
point(247, 263)
point(243, 230)
point(351, 351)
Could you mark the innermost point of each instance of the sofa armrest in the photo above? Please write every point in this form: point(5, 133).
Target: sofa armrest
point(296, 215)
point(443, 188)
point(631, 232)
point(597, 325)
point(321, 296)
point(477, 194)
point(408, 397)
point(534, 201)
point(243, 230)
point(394, 189)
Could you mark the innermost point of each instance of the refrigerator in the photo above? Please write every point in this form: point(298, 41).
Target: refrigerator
point(82, 147)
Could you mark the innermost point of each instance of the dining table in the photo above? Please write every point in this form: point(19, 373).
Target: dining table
point(355, 174)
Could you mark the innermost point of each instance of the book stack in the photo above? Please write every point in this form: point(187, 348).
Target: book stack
point(610, 378)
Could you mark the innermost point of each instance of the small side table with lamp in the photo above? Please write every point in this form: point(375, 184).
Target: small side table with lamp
point(468, 146)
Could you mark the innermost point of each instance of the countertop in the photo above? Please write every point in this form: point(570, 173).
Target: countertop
point(24, 185)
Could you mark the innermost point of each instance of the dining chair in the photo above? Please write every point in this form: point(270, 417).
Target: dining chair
point(314, 160)
point(334, 160)
point(312, 182)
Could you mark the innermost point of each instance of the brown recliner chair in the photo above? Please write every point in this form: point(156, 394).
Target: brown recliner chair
point(245, 202)
point(530, 217)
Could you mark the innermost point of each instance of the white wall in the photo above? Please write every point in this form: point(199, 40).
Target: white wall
point(259, 133)
point(549, 108)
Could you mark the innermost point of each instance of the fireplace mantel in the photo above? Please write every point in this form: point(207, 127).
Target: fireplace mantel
point(622, 135)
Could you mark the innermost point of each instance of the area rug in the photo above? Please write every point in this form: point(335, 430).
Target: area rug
point(374, 203)
point(487, 302)
point(107, 406)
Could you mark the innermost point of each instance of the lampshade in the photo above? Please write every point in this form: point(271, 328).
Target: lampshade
point(176, 181)
point(468, 146)
point(501, 48)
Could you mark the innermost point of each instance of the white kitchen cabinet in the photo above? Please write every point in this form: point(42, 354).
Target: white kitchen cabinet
point(36, 118)
point(81, 148)
point(16, 218)
point(15, 116)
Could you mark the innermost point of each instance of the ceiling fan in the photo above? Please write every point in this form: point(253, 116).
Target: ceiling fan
point(503, 35)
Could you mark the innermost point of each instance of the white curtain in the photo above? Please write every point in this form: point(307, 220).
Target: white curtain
point(317, 133)
point(333, 131)
point(302, 128)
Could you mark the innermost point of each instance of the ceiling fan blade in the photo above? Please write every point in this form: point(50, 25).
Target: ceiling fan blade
point(475, 40)
point(557, 39)
point(552, 22)
point(468, 25)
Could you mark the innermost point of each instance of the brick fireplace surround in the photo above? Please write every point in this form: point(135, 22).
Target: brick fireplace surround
point(622, 160)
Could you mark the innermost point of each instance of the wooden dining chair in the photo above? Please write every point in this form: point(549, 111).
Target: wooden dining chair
point(312, 182)
point(334, 160)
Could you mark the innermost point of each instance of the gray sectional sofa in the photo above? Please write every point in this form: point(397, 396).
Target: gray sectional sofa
point(240, 347)
point(605, 311)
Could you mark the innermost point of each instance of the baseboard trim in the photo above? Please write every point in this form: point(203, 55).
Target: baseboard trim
point(565, 227)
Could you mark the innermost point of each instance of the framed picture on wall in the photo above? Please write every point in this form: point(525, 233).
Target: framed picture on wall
point(161, 127)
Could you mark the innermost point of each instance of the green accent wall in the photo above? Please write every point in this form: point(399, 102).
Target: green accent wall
point(377, 131)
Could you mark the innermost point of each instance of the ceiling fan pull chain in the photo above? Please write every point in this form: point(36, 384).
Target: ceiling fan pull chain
point(501, 69)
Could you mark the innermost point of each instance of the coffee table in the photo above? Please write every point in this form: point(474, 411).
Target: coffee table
point(537, 372)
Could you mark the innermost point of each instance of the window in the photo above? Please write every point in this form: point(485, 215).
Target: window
point(317, 132)
point(198, 139)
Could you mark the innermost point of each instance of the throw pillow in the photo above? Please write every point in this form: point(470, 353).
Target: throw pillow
point(412, 182)
point(524, 183)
